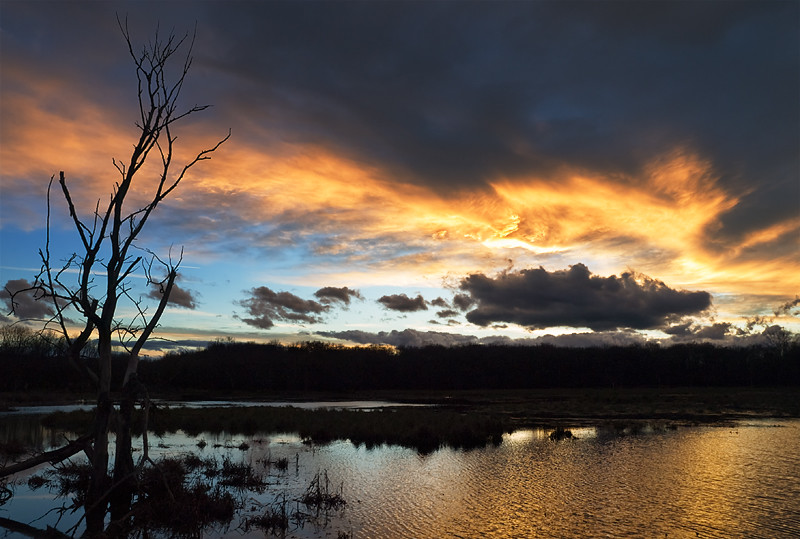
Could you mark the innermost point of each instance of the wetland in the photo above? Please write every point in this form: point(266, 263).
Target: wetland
point(547, 463)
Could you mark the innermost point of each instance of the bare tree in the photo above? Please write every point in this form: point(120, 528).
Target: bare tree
point(109, 256)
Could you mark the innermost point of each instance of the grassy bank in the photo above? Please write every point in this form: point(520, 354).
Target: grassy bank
point(468, 419)
point(534, 407)
point(424, 429)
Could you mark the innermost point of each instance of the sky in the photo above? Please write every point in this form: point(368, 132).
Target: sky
point(411, 173)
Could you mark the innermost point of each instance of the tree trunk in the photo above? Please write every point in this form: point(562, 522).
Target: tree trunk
point(123, 458)
point(124, 470)
point(96, 497)
point(131, 389)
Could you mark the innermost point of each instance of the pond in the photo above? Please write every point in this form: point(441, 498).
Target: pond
point(738, 479)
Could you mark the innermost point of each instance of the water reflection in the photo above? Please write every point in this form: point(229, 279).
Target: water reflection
point(738, 480)
point(28, 431)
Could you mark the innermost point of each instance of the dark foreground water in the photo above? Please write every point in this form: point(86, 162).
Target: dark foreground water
point(739, 480)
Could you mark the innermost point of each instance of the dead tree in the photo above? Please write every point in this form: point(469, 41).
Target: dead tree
point(109, 256)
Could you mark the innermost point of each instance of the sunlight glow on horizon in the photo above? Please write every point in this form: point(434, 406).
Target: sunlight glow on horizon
point(319, 186)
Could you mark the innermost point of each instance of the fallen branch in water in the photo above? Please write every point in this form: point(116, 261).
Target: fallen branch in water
point(28, 530)
point(53, 457)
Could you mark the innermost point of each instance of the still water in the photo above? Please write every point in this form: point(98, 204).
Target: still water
point(738, 480)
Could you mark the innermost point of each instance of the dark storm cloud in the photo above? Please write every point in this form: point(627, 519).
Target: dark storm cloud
point(536, 298)
point(328, 294)
point(266, 307)
point(412, 338)
point(454, 94)
point(463, 301)
point(178, 296)
point(679, 330)
point(690, 331)
point(715, 332)
point(25, 304)
point(586, 340)
point(403, 303)
point(404, 338)
point(451, 95)
point(440, 302)
point(447, 313)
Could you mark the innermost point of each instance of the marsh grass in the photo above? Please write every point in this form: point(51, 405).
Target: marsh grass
point(319, 499)
point(319, 495)
point(274, 520)
point(281, 464)
point(188, 495)
point(71, 479)
point(241, 475)
point(423, 429)
point(172, 499)
point(469, 419)
point(178, 496)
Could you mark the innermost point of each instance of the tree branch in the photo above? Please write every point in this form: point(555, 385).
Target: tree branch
point(53, 457)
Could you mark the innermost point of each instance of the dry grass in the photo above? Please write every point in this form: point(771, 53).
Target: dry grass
point(319, 495)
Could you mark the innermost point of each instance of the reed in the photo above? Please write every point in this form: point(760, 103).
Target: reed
point(180, 497)
point(319, 495)
point(424, 429)
point(274, 520)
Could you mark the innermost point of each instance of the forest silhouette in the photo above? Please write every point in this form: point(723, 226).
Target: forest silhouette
point(229, 366)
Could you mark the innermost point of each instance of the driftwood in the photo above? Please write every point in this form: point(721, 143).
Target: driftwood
point(53, 457)
point(28, 530)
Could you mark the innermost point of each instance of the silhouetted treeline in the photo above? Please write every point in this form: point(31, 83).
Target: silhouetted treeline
point(226, 366)
point(321, 367)
point(31, 361)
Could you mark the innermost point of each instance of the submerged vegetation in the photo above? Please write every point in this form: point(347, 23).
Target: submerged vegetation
point(177, 496)
point(188, 496)
point(319, 500)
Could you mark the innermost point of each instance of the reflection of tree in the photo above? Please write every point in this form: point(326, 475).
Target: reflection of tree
point(109, 256)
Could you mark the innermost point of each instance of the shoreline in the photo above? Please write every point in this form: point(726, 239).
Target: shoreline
point(588, 405)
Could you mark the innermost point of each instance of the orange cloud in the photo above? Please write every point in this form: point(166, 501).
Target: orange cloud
point(658, 224)
point(671, 207)
point(770, 234)
point(387, 231)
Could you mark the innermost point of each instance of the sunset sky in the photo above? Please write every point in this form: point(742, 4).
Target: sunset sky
point(432, 172)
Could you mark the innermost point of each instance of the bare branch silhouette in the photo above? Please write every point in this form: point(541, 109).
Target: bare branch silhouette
point(91, 284)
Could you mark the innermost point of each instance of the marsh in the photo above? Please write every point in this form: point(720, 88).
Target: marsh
point(676, 478)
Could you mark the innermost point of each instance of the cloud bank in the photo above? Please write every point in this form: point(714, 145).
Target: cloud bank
point(412, 338)
point(537, 299)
